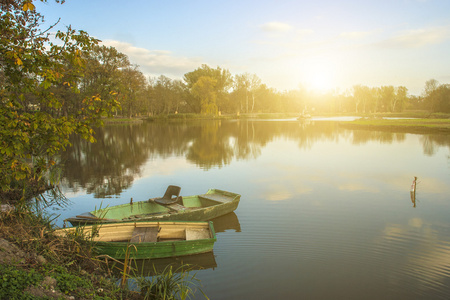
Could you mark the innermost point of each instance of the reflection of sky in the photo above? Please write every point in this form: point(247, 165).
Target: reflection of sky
point(371, 167)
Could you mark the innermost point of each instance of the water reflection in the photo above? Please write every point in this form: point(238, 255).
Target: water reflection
point(426, 253)
point(227, 222)
point(110, 166)
point(150, 267)
point(324, 212)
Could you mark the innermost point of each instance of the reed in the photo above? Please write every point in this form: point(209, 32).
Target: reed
point(169, 284)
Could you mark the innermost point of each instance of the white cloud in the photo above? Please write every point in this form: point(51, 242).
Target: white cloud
point(276, 27)
point(156, 62)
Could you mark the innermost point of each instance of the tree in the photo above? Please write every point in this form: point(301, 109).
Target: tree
point(387, 97)
point(440, 98)
point(131, 90)
point(247, 84)
point(364, 98)
point(164, 94)
point(103, 72)
point(32, 126)
point(205, 90)
point(255, 83)
point(401, 98)
point(269, 99)
point(429, 94)
point(444, 98)
point(223, 83)
point(241, 87)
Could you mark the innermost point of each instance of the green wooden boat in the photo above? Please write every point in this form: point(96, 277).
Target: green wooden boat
point(145, 240)
point(204, 207)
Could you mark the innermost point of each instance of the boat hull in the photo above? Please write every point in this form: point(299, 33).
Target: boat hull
point(213, 204)
point(119, 240)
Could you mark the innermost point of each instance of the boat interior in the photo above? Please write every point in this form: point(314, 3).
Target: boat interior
point(144, 233)
point(137, 209)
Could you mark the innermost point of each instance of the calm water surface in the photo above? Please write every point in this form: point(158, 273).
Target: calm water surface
point(325, 212)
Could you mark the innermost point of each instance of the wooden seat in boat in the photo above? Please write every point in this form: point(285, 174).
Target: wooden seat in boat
point(144, 235)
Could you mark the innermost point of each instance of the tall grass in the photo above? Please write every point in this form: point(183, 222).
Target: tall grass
point(169, 284)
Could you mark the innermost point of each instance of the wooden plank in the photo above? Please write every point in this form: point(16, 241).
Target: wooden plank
point(172, 233)
point(144, 235)
point(197, 234)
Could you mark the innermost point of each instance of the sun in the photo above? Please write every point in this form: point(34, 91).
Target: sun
point(321, 79)
point(319, 74)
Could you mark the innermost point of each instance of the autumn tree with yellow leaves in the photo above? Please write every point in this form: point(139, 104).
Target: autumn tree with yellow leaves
point(39, 71)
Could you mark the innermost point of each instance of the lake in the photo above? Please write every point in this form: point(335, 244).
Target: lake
point(325, 212)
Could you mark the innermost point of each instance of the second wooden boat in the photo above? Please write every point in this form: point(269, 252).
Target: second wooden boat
point(142, 240)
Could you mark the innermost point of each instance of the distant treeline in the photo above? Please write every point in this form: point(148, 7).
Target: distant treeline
point(213, 91)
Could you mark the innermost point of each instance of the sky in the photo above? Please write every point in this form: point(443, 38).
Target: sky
point(322, 44)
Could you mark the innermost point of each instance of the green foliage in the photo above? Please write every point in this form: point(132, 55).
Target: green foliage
point(68, 283)
point(205, 90)
point(222, 83)
point(439, 99)
point(13, 282)
point(37, 75)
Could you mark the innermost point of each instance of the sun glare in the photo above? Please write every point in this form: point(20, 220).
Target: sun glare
point(319, 75)
point(321, 80)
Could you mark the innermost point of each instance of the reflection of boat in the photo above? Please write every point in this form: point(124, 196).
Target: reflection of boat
point(204, 207)
point(304, 116)
point(150, 267)
point(148, 239)
point(227, 222)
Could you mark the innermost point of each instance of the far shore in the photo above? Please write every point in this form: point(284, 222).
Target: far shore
point(408, 121)
point(401, 125)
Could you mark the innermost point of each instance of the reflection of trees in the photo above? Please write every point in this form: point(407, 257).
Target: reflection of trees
point(106, 167)
point(431, 141)
point(210, 147)
point(110, 165)
point(385, 137)
point(316, 131)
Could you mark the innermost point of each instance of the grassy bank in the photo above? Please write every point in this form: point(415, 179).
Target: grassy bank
point(35, 264)
point(401, 125)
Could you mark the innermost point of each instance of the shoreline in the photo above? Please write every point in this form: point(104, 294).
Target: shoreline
point(401, 125)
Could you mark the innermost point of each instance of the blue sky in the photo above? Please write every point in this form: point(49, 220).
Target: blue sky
point(319, 44)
